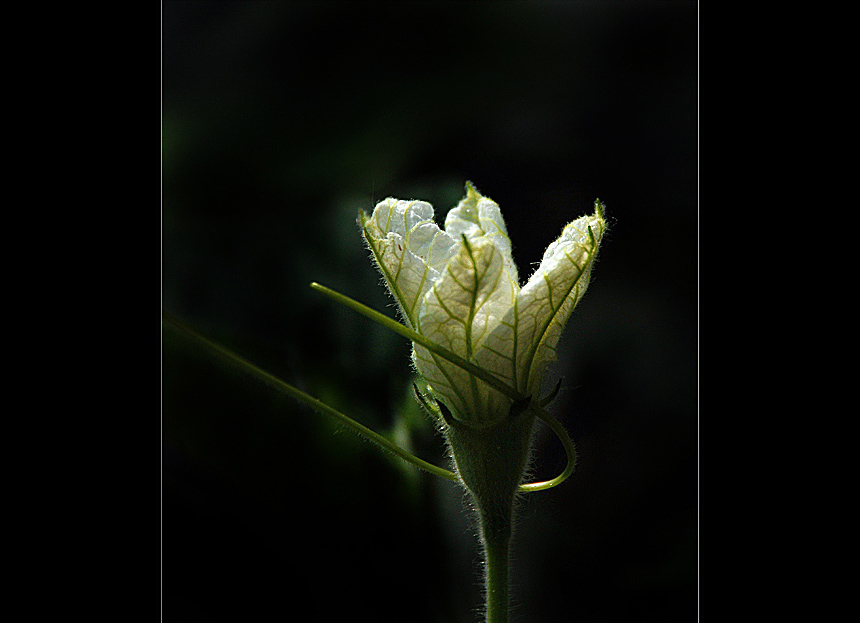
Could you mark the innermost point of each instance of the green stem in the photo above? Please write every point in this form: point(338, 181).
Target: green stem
point(490, 462)
point(497, 546)
point(310, 401)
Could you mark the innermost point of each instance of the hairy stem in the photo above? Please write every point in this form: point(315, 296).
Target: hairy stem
point(496, 539)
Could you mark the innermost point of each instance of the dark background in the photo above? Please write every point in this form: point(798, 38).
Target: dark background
point(280, 120)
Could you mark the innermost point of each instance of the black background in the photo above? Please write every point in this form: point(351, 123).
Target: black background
point(280, 120)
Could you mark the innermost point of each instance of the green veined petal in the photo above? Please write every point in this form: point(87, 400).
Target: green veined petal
point(547, 300)
point(457, 313)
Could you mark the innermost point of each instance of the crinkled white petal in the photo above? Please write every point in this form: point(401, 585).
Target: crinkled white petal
point(477, 216)
point(409, 248)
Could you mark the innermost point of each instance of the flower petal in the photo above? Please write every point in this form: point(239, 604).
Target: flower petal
point(531, 329)
point(476, 216)
point(549, 297)
point(457, 313)
point(409, 249)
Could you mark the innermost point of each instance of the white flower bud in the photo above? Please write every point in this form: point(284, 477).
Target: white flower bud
point(459, 288)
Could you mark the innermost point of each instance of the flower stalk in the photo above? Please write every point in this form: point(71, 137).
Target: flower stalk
point(497, 547)
point(482, 342)
point(490, 463)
